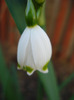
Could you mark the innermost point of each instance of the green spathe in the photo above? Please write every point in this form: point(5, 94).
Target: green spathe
point(30, 13)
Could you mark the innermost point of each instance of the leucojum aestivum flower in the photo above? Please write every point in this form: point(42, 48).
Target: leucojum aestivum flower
point(34, 47)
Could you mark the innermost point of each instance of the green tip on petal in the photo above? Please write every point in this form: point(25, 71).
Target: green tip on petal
point(45, 67)
point(18, 67)
point(29, 69)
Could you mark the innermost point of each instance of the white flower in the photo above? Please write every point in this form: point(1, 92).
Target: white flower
point(34, 50)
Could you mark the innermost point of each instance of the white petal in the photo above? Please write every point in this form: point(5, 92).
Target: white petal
point(46, 71)
point(22, 47)
point(30, 73)
point(46, 41)
point(29, 61)
point(38, 50)
point(41, 47)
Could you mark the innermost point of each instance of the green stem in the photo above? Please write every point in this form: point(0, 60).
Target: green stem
point(40, 91)
point(41, 16)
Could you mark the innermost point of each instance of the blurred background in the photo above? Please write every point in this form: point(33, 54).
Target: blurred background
point(60, 29)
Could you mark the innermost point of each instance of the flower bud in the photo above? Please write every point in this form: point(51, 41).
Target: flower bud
point(30, 13)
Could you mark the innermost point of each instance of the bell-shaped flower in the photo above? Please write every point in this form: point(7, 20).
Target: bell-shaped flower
point(34, 50)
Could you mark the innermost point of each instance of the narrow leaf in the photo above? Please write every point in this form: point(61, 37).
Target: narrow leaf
point(17, 9)
point(9, 83)
point(49, 82)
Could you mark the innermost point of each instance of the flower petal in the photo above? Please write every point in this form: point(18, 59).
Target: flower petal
point(22, 47)
point(43, 71)
point(29, 61)
point(38, 49)
point(30, 73)
point(41, 46)
point(46, 41)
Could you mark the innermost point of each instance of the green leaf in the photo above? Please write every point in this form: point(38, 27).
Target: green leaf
point(9, 81)
point(17, 9)
point(13, 85)
point(49, 83)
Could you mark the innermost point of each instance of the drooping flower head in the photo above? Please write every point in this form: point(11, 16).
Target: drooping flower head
point(34, 50)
